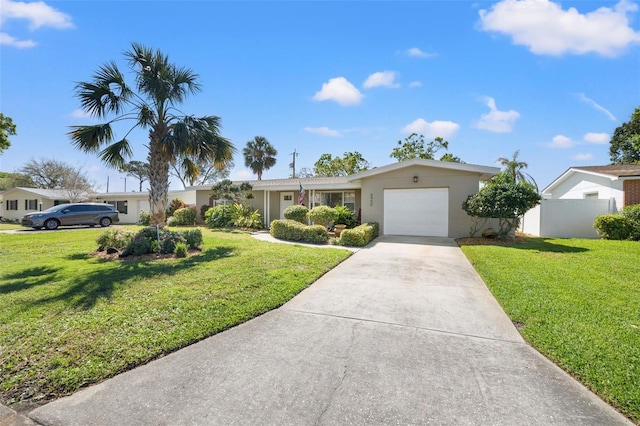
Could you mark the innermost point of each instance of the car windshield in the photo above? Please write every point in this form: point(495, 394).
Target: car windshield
point(56, 208)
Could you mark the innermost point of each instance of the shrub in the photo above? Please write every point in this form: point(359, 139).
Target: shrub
point(218, 217)
point(359, 236)
point(116, 238)
point(297, 213)
point(169, 239)
point(612, 226)
point(203, 211)
point(145, 218)
point(292, 230)
point(174, 205)
point(180, 250)
point(244, 217)
point(345, 216)
point(193, 238)
point(323, 215)
point(632, 213)
point(183, 217)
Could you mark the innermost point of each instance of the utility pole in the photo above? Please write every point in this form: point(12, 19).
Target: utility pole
point(293, 164)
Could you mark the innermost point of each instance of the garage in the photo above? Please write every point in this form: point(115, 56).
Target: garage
point(419, 212)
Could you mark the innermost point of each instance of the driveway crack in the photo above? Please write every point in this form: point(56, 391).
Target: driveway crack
point(343, 375)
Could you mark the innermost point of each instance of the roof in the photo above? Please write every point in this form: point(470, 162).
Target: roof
point(52, 194)
point(613, 172)
point(616, 170)
point(485, 172)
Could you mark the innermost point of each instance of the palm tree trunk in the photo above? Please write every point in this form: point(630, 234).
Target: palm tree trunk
point(158, 182)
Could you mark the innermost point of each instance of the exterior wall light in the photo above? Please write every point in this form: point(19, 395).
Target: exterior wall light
point(415, 179)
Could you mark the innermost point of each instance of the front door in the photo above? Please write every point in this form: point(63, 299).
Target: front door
point(286, 200)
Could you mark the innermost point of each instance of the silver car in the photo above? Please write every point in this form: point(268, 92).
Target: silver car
point(72, 214)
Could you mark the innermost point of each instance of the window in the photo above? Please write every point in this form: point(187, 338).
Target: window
point(332, 199)
point(121, 206)
point(591, 195)
point(30, 205)
point(58, 202)
point(12, 204)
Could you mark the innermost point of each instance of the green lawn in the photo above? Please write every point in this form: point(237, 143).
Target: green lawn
point(578, 302)
point(68, 319)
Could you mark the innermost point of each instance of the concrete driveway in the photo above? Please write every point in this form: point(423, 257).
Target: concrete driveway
point(403, 332)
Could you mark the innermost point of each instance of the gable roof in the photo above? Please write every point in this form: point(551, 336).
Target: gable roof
point(485, 172)
point(612, 172)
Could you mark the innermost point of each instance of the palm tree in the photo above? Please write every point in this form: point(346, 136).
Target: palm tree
point(514, 169)
point(259, 155)
point(159, 87)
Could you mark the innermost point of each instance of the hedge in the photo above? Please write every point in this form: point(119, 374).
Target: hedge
point(291, 230)
point(359, 236)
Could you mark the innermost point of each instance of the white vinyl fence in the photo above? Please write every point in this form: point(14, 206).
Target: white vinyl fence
point(565, 218)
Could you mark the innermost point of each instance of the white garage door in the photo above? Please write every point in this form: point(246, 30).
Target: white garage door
point(422, 212)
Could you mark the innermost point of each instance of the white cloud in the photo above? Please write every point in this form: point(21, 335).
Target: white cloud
point(597, 138)
point(444, 129)
point(38, 14)
point(547, 29)
point(415, 84)
point(381, 79)
point(339, 90)
point(582, 157)
point(323, 131)
point(600, 108)
point(497, 121)
point(415, 52)
point(12, 41)
point(561, 141)
point(78, 113)
point(244, 174)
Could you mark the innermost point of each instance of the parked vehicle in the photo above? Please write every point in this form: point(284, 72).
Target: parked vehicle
point(91, 214)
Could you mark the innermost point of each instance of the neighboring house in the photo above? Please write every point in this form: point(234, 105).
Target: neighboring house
point(571, 203)
point(414, 197)
point(16, 202)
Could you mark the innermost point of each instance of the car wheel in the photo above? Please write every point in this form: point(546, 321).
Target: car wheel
point(105, 221)
point(51, 224)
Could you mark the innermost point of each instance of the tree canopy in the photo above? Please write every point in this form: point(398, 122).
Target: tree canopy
point(413, 146)
point(138, 170)
point(150, 104)
point(259, 155)
point(7, 128)
point(625, 143)
point(513, 168)
point(349, 164)
point(13, 180)
point(54, 174)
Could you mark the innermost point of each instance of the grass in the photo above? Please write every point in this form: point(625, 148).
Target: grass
point(576, 301)
point(68, 319)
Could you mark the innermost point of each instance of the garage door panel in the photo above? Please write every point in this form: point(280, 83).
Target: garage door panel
point(420, 212)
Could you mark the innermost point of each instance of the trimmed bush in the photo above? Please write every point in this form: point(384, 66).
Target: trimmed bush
point(146, 240)
point(613, 226)
point(116, 238)
point(297, 213)
point(632, 213)
point(183, 217)
point(292, 230)
point(193, 238)
point(323, 215)
point(359, 236)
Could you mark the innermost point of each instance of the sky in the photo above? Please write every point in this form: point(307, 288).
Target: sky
point(552, 79)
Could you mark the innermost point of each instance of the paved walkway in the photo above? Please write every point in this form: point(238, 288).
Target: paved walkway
point(403, 332)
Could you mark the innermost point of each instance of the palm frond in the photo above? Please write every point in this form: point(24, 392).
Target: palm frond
point(107, 93)
point(116, 154)
point(91, 138)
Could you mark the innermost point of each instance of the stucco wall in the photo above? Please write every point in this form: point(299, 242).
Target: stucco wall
point(577, 185)
point(21, 196)
point(565, 218)
point(460, 184)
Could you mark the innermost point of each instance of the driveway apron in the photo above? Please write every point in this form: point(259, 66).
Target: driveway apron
point(404, 332)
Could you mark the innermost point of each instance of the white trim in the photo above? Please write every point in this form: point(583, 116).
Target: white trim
point(485, 172)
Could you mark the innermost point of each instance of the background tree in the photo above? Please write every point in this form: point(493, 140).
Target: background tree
point(227, 190)
point(414, 146)
point(514, 169)
point(625, 143)
point(14, 180)
point(138, 170)
point(259, 155)
point(7, 128)
point(303, 173)
point(151, 104)
point(54, 174)
point(349, 164)
point(207, 172)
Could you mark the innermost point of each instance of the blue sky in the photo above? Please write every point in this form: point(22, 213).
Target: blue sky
point(552, 79)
